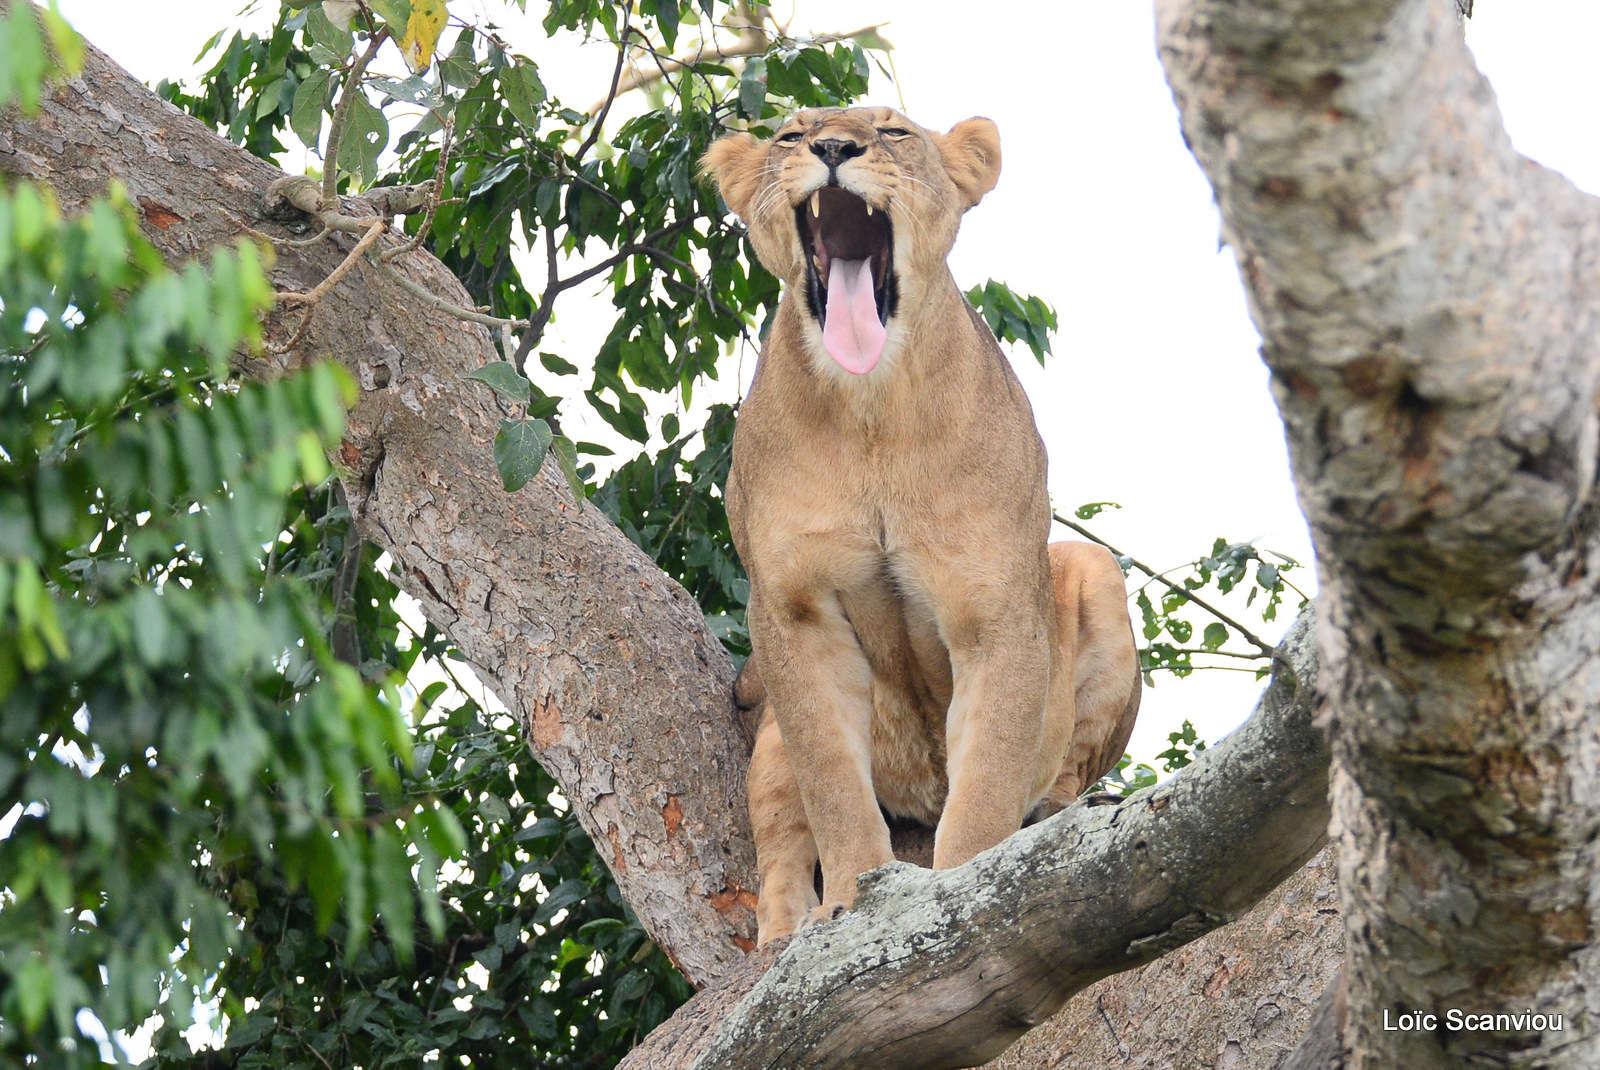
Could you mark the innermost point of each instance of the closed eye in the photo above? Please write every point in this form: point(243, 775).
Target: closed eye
point(790, 138)
point(895, 132)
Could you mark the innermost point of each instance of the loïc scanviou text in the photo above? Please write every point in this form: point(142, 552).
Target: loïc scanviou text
point(1459, 1020)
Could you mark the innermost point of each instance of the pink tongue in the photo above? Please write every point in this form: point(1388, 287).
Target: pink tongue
point(853, 336)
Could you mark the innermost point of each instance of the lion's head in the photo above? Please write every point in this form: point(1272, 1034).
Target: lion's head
point(857, 209)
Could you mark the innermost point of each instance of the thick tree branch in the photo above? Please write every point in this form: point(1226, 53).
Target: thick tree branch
point(947, 969)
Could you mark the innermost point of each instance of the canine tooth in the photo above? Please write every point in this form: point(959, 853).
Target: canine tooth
point(816, 202)
point(869, 211)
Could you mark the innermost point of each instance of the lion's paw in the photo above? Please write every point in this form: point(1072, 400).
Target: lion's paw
point(825, 913)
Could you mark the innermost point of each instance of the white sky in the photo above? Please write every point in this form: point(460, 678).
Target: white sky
point(1156, 397)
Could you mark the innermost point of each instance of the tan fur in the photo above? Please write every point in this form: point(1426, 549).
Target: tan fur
point(917, 646)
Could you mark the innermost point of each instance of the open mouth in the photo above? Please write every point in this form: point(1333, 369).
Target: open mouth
point(849, 273)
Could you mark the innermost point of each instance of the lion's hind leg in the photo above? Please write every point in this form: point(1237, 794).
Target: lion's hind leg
point(1096, 637)
point(786, 852)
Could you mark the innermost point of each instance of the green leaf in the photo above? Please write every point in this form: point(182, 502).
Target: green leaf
point(1152, 626)
point(541, 829)
point(519, 451)
point(438, 825)
point(523, 92)
point(23, 60)
point(566, 452)
point(415, 90)
point(504, 379)
point(366, 135)
point(667, 21)
point(244, 1033)
point(310, 100)
point(1090, 510)
point(35, 984)
point(391, 889)
point(494, 809)
point(396, 13)
point(553, 363)
point(459, 69)
point(149, 621)
point(563, 895)
point(64, 40)
point(753, 88)
point(1215, 636)
point(336, 41)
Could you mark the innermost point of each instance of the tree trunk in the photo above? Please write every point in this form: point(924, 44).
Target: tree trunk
point(1426, 300)
point(624, 693)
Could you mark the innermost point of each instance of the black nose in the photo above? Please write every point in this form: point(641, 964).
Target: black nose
point(835, 152)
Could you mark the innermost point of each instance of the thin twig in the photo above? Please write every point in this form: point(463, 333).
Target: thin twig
point(1122, 1049)
point(291, 243)
point(435, 301)
point(376, 228)
point(278, 350)
point(433, 197)
point(645, 246)
point(557, 171)
point(1250, 636)
point(1197, 668)
point(341, 114)
point(555, 286)
point(662, 74)
point(611, 96)
point(1257, 656)
point(752, 42)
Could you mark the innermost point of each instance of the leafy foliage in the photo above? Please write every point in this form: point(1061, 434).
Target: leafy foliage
point(1130, 776)
point(170, 704)
point(1013, 318)
point(1226, 567)
point(682, 524)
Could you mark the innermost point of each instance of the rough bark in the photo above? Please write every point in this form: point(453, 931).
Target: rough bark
point(948, 968)
point(1235, 999)
point(623, 691)
point(1322, 1046)
point(1426, 301)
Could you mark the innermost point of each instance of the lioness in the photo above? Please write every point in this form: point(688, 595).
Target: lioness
point(917, 645)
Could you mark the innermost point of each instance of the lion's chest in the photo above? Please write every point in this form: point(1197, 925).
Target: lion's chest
point(911, 690)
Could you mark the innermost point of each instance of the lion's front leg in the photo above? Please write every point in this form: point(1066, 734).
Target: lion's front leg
point(1000, 648)
point(995, 733)
point(786, 852)
point(819, 691)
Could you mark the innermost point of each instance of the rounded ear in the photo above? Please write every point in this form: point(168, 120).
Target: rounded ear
point(734, 163)
point(971, 152)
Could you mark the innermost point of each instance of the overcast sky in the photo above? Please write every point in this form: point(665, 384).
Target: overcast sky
point(1156, 397)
